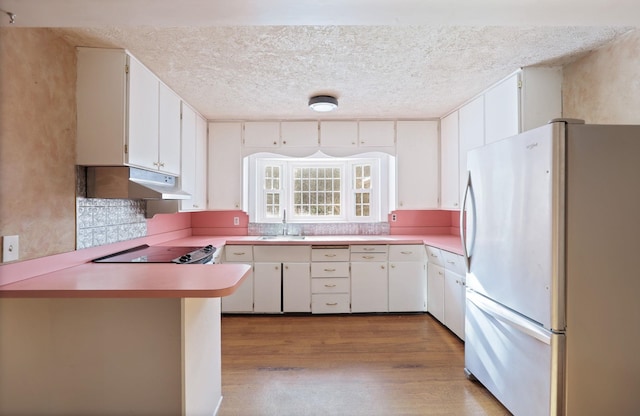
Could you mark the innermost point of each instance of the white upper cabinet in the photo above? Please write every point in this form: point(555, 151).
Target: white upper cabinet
point(193, 176)
point(417, 162)
point(376, 134)
point(225, 166)
point(449, 170)
point(169, 131)
point(299, 133)
point(470, 133)
point(126, 115)
point(339, 133)
point(527, 99)
point(143, 116)
point(264, 134)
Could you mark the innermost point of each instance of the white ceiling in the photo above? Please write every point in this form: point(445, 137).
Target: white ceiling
point(258, 59)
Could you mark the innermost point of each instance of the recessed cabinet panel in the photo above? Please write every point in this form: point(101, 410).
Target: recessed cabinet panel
point(169, 131)
point(188, 171)
point(502, 109)
point(449, 168)
point(296, 287)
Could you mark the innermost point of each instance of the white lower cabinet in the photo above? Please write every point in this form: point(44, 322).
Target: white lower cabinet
point(369, 278)
point(267, 284)
point(330, 282)
point(407, 278)
point(296, 287)
point(446, 289)
point(435, 291)
point(241, 301)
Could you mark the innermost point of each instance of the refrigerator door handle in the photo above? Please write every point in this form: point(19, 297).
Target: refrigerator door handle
point(510, 318)
point(463, 232)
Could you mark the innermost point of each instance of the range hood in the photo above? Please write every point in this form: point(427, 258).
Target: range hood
point(125, 182)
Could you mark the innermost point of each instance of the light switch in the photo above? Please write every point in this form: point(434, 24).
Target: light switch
point(10, 248)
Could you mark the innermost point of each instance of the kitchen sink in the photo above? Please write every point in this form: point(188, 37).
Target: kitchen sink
point(282, 237)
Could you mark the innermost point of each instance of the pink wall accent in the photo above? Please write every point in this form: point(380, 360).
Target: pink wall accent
point(420, 222)
point(219, 223)
point(162, 223)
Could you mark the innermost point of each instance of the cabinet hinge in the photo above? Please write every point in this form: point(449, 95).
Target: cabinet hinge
point(126, 69)
point(126, 149)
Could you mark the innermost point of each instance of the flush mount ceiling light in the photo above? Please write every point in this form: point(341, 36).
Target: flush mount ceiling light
point(323, 103)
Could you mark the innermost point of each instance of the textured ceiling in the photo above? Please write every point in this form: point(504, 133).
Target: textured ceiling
point(268, 71)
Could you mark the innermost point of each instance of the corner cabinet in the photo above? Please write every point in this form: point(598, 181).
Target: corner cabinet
point(126, 115)
point(417, 164)
point(225, 166)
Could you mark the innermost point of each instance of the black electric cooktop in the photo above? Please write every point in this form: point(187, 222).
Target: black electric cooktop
point(161, 254)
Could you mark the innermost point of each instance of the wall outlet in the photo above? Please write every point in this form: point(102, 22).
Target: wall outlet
point(394, 217)
point(236, 220)
point(10, 248)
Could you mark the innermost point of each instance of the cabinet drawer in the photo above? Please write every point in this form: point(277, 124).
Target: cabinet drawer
point(372, 248)
point(330, 285)
point(413, 252)
point(330, 254)
point(328, 269)
point(368, 257)
point(434, 255)
point(330, 303)
point(453, 262)
point(238, 253)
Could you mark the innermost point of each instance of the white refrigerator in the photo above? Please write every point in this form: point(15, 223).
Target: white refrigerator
point(552, 242)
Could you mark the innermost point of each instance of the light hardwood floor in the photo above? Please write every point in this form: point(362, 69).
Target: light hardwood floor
point(346, 365)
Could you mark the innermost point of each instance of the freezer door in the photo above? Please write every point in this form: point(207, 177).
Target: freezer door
point(515, 230)
point(518, 361)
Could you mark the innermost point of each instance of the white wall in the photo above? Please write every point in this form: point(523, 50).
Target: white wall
point(604, 86)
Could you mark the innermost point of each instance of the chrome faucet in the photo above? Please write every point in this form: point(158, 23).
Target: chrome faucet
point(284, 222)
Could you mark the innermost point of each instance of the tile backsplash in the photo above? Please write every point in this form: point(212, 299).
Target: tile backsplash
point(375, 228)
point(105, 221)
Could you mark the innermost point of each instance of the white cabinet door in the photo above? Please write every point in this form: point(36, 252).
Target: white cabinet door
point(502, 110)
point(296, 287)
point(143, 116)
point(407, 286)
point(417, 164)
point(242, 299)
point(449, 156)
point(376, 134)
point(299, 133)
point(188, 170)
point(225, 166)
point(454, 302)
point(470, 133)
point(369, 287)
point(339, 133)
point(267, 284)
point(199, 197)
point(265, 134)
point(169, 131)
point(435, 291)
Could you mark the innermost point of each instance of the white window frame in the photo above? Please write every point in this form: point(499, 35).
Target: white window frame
point(379, 190)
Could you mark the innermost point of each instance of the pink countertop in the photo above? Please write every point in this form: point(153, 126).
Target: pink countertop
point(150, 280)
point(73, 275)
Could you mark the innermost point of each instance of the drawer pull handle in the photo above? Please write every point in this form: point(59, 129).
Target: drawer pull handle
point(369, 249)
point(329, 255)
point(406, 252)
point(329, 285)
point(332, 304)
point(329, 270)
point(451, 262)
point(239, 254)
point(368, 257)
